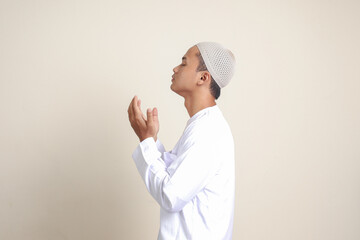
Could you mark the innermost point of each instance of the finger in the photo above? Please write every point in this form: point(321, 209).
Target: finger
point(130, 111)
point(132, 103)
point(136, 109)
point(139, 105)
point(149, 116)
point(138, 116)
point(155, 115)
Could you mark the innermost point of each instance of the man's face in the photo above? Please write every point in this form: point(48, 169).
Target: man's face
point(185, 75)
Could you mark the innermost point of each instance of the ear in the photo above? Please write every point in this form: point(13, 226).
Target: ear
point(205, 78)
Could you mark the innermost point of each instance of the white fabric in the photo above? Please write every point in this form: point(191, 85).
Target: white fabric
point(219, 61)
point(194, 183)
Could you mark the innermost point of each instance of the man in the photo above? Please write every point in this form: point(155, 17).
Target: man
point(194, 183)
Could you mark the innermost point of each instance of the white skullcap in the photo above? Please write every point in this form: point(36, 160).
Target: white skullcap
point(219, 61)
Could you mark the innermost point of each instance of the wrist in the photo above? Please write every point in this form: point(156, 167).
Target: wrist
point(143, 138)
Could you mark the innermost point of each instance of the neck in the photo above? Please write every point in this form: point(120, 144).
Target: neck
point(195, 104)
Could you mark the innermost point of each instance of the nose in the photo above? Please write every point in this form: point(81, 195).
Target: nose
point(175, 69)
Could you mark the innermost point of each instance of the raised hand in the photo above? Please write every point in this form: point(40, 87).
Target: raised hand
point(143, 128)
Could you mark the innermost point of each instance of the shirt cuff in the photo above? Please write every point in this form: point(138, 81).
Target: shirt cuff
point(160, 146)
point(147, 149)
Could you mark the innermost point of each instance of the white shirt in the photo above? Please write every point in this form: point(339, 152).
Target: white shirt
point(194, 183)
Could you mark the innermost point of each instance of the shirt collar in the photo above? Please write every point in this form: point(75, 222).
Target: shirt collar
point(201, 113)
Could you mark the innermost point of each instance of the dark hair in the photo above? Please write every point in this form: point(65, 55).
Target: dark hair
point(214, 87)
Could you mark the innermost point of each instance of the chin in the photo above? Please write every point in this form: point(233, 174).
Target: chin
point(173, 89)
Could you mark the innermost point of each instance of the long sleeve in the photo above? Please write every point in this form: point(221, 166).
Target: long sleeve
point(174, 186)
point(160, 146)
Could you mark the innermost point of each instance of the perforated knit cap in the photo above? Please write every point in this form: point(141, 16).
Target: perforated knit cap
point(219, 61)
